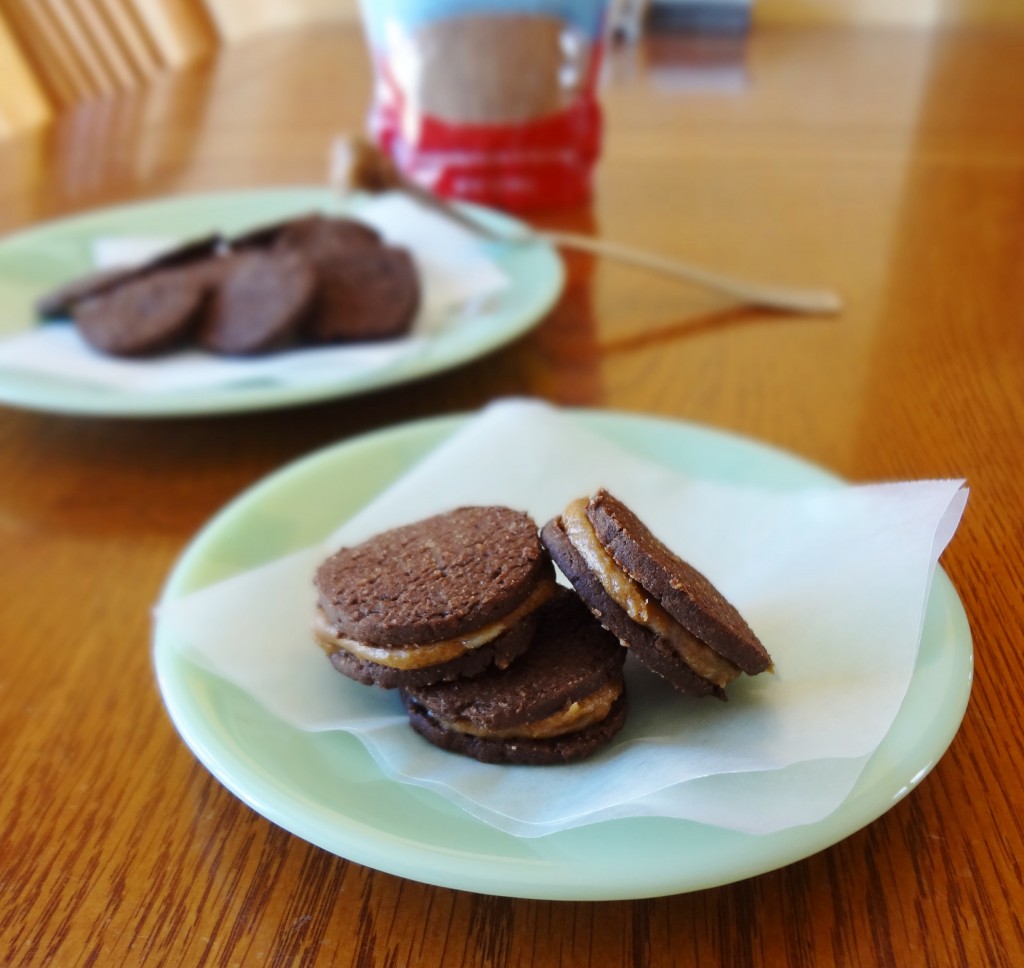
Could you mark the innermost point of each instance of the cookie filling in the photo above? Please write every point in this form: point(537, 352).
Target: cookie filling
point(434, 653)
point(639, 606)
point(571, 718)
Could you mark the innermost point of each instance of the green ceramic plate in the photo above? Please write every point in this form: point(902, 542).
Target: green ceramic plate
point(36, 260)
point(325, 788)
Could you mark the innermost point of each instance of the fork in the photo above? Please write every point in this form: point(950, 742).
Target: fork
point(356, 163)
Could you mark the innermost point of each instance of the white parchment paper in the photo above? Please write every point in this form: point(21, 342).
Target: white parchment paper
point(833, 579)
point(456, 276)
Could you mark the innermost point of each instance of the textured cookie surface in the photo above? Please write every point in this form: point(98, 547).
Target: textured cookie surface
point(682, 590)
point(366, 294)
point(258, 303)
point(572, 657)
point(648, 648)
point(59, 302)
point(194, 250)
point(62, 300)
point(143, 316)
point(438, 578)
point(266, 235)
point(318, 236)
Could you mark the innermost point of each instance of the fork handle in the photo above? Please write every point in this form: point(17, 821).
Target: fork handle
point(808, 301)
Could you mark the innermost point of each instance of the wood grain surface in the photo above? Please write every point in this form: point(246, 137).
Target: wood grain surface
point(887, 164)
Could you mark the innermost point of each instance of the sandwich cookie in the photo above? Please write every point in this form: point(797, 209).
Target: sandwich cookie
point(445, 597)
point(662, 609)
point(562, 700)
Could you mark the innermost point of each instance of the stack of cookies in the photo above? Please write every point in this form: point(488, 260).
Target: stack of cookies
point(493, 659)
point(311, 280)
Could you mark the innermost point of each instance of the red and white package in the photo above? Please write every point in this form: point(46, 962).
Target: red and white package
point(493, 102)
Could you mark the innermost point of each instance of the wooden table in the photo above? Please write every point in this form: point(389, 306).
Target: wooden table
point(887, 164)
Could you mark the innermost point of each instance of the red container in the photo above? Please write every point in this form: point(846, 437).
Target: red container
point(496, 105)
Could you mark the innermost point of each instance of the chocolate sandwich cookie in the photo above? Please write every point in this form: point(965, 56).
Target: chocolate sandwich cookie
point(665, 611)
point(257, 303)
point(562, 700)
point(143, 316)
point(445, 597)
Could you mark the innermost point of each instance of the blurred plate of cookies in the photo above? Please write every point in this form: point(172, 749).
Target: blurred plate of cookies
point(252, 255)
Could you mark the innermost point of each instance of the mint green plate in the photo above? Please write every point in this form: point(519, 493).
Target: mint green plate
point(36, 260)
point(326, 789)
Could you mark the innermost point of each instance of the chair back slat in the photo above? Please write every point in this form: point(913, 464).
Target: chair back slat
point(69, 51)
point(24, 101)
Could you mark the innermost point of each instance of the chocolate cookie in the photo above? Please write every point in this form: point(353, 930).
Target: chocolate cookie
point(413, 604)
point(365, 290)
point(367, 294)
point(261, 236)
point(562, 700)
point(320, 236)
point(59, 302)
point(670, 616)
point(142, 316)
point(258, 302)
point(186, 253)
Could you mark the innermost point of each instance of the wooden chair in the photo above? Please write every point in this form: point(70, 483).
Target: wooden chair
point(63, 52)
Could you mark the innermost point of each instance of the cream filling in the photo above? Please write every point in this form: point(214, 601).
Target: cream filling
point(422, 656)
point(626, 593)
point(571, 718)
